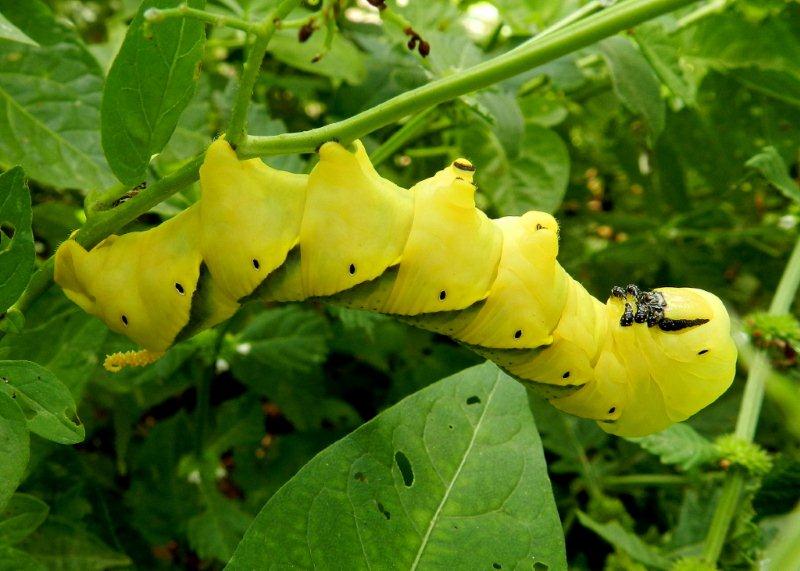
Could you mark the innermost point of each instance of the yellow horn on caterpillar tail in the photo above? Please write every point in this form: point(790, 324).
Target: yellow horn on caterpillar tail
point(427, 255)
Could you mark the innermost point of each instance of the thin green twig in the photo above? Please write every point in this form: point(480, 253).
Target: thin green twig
point(252, 65)
point(155, 15)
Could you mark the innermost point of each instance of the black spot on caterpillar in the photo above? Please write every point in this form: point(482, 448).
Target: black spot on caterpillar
point(493, 285)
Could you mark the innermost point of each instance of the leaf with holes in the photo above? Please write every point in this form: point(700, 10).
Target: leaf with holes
point(452, 477)
point(50, 102)
point(14, 447)
point(16, 237)
point(150, 83)
point(46, 402)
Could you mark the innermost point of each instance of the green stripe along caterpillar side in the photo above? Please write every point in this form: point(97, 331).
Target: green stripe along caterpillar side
point(425, 254)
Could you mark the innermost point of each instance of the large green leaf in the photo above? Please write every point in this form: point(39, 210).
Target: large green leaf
point(14, 451)
point(47, 403)
point(150, 83)
point(452, 477)
point(634, 82)
point(16, 236)
point(23, 514)
point(50, 102)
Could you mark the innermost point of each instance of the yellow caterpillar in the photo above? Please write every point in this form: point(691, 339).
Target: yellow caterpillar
point(636, 364)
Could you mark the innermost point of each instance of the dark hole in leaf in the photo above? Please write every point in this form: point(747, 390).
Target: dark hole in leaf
point(404, 464)
point(497, 566)
point(7, 230)
point(540, 566)
point(360, 477)
point(450, 426)
point(473, 400)
point(384, 511)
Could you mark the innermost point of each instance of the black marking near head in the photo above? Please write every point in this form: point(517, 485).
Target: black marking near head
point(442, 295)
point(612, 410)
point(565, 375)
point(464, 166)
point(180, 289)
point(702, 352)
point(667, 324)
point(518, 334)
point(125, 320)
point(352, 269)
point(256, 264)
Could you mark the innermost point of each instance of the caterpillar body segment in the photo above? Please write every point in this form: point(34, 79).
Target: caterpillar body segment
point(427, 255)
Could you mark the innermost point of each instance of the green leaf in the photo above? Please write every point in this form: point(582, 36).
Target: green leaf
point(535, 180)
point(46, 402)
point(679, 444)
point(50, 102)
point(16, 237)
point(216, 532)
point(728, 41)
point(14, 447)
point(67, 345)
point(770, 164)
point(663, 54)
point(150, 83)
point(23, 514)
point(507, 121)
point(543, 109)
point(9, 31)
point(15, 560)
point(67, 547)
point(778, 84)
point(634, 82)
point(626, 541)
point(451, 477)
point(344, 62)
point(288, 339)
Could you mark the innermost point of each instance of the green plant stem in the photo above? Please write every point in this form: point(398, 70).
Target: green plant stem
point(576, 36)
point(252, 65)
point(155, 15)
point(749, 411)
point(403, 135)
point(646, 480)
point(554, 45)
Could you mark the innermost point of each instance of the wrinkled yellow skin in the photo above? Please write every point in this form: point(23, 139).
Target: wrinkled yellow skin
point(425, 254)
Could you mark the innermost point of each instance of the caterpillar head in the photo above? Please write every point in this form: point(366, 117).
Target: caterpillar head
point(677, 354)
point(140, 284)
